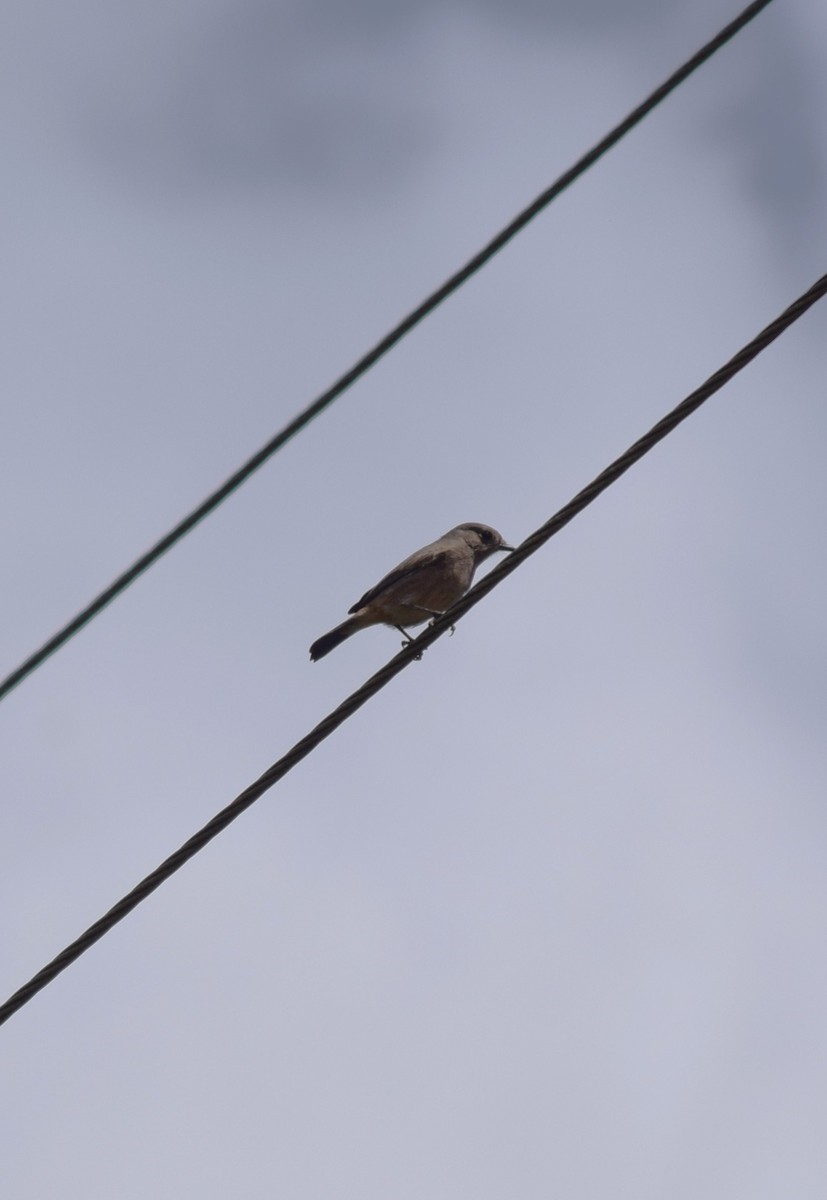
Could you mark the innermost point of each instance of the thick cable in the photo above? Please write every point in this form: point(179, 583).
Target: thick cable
point(379, 350)
point(413, 650)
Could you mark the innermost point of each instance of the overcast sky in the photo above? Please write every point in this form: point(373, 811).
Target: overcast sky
point(546, 918)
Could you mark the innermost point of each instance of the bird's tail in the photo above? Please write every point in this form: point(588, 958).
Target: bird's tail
point(330, 641)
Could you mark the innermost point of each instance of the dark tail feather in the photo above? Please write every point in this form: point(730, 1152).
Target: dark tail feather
point(331, 640)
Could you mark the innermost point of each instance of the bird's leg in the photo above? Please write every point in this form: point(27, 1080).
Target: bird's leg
point(408, 641)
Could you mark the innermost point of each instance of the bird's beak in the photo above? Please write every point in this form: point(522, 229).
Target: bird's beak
point(510, 549)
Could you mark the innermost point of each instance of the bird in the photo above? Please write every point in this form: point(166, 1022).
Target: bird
point(424, 585)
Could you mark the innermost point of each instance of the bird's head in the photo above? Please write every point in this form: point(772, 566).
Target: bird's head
point(482, 540)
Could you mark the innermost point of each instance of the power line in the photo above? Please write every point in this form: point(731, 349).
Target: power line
point(379, 350)
point(376, 682)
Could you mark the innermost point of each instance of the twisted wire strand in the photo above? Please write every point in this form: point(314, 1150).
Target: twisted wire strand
point(411, 651)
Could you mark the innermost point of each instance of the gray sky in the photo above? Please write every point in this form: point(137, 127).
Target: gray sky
point(545, 918)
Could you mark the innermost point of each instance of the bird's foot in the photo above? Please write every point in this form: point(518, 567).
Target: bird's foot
point(408, 642)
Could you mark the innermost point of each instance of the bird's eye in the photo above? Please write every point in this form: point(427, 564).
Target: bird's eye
point(485, 536)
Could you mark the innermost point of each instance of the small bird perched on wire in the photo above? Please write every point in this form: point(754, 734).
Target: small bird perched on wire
point(424, 585)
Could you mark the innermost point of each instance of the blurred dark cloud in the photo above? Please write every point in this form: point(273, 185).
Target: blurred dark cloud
point(321, 95)
point(290, 95)
point(771, 119)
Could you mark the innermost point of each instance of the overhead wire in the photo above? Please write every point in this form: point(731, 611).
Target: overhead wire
point(474, 264)
point(412, 650)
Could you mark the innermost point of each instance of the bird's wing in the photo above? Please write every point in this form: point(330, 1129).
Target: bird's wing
point(411, 566)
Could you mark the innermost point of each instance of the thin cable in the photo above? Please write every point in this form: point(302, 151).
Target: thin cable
point(379, 350)
point(376, 682)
